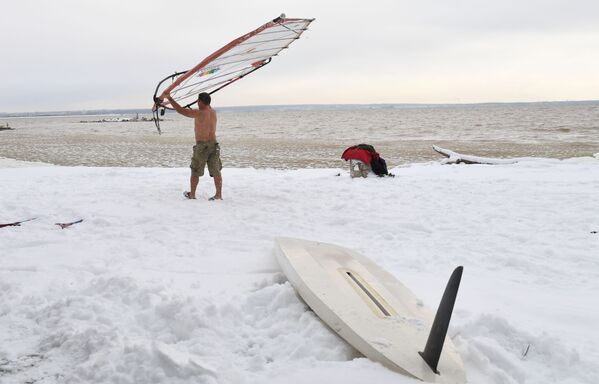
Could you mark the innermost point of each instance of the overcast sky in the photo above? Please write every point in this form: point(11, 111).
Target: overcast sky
point(88, 54)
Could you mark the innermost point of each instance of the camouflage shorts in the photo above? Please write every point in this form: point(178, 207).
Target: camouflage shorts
point(206, 153)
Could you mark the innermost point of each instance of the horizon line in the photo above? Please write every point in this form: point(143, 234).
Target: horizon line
point(149, 110)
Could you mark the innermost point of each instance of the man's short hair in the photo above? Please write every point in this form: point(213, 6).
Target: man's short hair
point(204, 98)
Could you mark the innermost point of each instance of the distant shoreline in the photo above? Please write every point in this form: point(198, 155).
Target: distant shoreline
point(298, 107)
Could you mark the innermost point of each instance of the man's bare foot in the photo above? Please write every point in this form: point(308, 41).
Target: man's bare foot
point(215, 198)
point(188, 195)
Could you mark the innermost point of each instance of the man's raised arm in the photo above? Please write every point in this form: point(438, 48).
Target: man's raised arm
point(184, 111)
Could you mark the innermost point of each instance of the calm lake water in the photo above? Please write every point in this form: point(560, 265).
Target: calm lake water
point(312, 136)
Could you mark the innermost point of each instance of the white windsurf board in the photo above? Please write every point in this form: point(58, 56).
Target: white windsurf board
point(368, 307)
point(455, 157)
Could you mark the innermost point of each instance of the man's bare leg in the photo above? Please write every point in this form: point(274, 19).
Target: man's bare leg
point(193, 184)
point(218, 184)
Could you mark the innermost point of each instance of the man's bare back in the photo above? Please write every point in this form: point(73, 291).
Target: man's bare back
point(205, 124)
point(204, 119)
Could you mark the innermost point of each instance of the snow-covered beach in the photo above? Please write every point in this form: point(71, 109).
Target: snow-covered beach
point(110, 274)
point(152, 287)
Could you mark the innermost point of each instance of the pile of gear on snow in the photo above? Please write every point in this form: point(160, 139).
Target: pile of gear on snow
point(363, 158)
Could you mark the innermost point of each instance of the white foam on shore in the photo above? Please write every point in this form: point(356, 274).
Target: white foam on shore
point(12, 163)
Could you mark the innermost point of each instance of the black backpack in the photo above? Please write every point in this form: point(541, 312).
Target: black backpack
point(379, 166)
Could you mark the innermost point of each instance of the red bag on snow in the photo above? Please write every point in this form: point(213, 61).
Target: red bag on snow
point(357, 153)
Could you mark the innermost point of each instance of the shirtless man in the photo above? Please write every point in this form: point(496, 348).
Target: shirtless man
point(206, 150)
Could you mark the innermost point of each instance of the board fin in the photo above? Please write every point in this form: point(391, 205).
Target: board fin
point(436, 338)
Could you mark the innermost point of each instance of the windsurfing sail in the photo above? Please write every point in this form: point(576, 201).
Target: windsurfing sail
point(230, 63)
